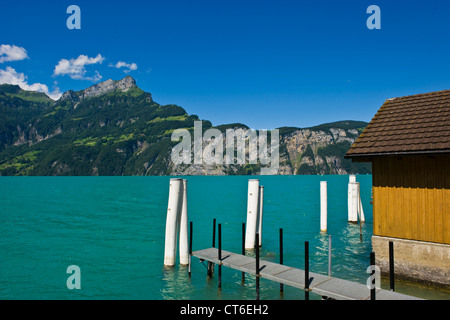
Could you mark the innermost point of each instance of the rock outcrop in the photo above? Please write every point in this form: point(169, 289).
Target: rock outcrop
point(99, 89)
point(302, 151)
point(115, 128)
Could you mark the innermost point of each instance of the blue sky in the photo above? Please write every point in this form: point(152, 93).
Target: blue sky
point(263, 63)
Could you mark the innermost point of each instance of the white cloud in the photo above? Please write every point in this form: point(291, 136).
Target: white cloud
point(12, 53)
point(11, 76)
point(127, 66)
point(94, 78)
point(75, 68)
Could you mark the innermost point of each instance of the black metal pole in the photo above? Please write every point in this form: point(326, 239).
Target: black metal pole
point(329, 255)
point(214, 234)
point(210, 268)
point(372, 263)
point(220, 256)
point(306, 270)
point(281, 256)
point(243, 248)
point(391, 265)
point(190, 246)
point(257, 264)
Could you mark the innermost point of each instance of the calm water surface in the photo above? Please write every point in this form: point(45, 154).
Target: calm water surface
point(113, 229)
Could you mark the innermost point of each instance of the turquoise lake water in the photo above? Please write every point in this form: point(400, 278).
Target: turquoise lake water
point(113, 229)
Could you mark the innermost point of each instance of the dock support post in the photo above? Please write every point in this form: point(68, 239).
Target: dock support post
point(220, 256)
point(260, 213)
point(214, 234)
point(243, 249)
point(323, 206)
point(306, 270)
point(281, 257)
point(172, 220)
point(210, 265)
point(190, 247)
point(257, 264)
point(329, 255)
point(391, 265)
point(352, 200)
point(354, 203)
point(184, 250)
point(360, 208)
point(372, 263)
point(252, 213)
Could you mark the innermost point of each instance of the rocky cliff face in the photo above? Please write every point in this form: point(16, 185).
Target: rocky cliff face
point(115, 128)
point(99, 89)
point(108, 86)
point(303, 148)
point(302, 151)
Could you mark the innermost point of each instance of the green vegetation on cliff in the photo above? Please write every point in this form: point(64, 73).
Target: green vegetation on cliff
point(112, 128)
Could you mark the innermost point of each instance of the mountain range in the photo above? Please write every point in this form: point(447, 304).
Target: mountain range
point(114, 128)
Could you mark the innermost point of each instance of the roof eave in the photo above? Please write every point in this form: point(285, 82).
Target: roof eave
point(396, 153)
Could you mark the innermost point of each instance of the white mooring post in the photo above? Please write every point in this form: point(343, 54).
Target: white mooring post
point(260, 213)
point(360, 208)
point(172, 221)
point(252, 213)
point(184, 249)
point(323, 206)
point(354, 211)
point(351, 182)
point(354, 201)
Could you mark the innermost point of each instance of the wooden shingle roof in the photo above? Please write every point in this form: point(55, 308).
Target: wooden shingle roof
point(418, 124)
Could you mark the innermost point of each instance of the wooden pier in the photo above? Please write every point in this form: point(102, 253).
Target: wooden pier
point(325, 286)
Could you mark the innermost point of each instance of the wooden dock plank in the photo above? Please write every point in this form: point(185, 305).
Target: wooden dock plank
point(331, 287)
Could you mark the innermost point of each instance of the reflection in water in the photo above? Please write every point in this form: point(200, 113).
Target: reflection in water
point(319, 255)
point(348, 253)
point(352, 236)
point(353, 258)
point(177, 284)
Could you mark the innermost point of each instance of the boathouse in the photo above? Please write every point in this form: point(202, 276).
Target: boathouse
point(408, 143)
